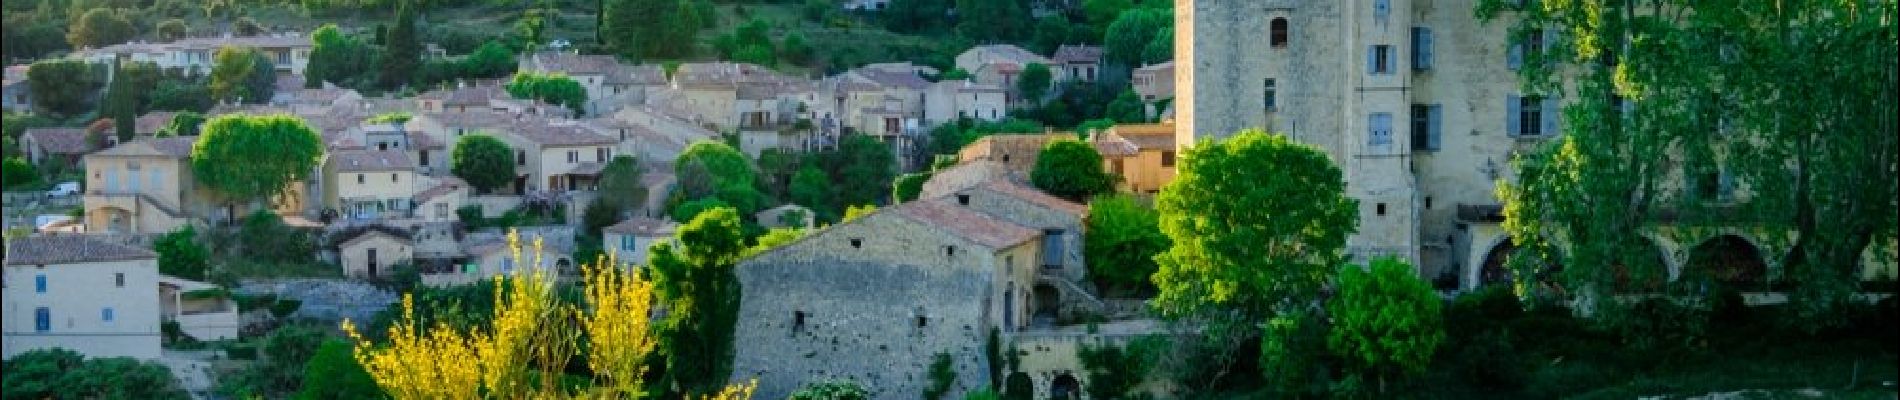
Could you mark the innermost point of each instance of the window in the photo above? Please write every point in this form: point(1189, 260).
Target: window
point(507, 265)
point(963, 199)
point(1277, 33)
point(1379, 130)
point(425, 157)
point(1379, 59)
point(601, 154)
point(1530, 116)
point(359, 179)
point(1428, 202)
point(1426, 120)
point(441, 210)
point(857, 243)
point(39, 284)
point(1380, 209)
point(798, 321)
point(1421, 48)
point(42, 319)
point(1534, 43)
point(1167, 159)
point(521, 157)
point(118, 279)
point(1269, 94)
point(1052, 250)
point(573, 156)
point(950, 251)
point(105, 314)
point(1381, 9)
point(629, 243)
point(394, 178)
point(923, 321)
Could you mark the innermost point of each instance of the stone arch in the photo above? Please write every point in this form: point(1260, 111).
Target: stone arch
point(1065, 387)
point(1728, 259)
point(1492, 270)
point(1048, 302)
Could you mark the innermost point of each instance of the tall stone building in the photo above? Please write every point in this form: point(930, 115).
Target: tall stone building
point(1416, 101)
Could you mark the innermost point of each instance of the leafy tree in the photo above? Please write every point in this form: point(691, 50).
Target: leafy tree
point(1070, 169)
point(63, 87)
point(1701, 92)
point(908, 186)
point(620, 183)
point(864, 170)
point(266, 238)
point(251, 157)
point(858, 211)
point(1114, 371)
point(338, 58)
point(694, 280)
point(61, 373)
point(1258, 222)
point(172, 29)
point(1019, 387)
point(261, 84)
point(402, 52)
point(483, 161)
point(29, 37)
point(1124, 237)
point(942, 375)
point(242, 73)
point(777, 237)
point(710, 169)
point(101, 27)
point(1104, 12)
point(599, 214)
point(1160, 49)
point(554, 88)
point(816, 10)
point(1386, 321)
point(333, 373)
point(180, 254)
point(1034, 83)
point(1128, 108)
point(831, 390)
point(652, 28)
point(686, 211)
point(796, 50)
point(492, 60)
point(18, 173)
point(122, 106)
point(247, 26)
point(982, 394)
point(1127, 39)
point(990, 21)
point(176, 95)
point(915, 16)
point(811, 188)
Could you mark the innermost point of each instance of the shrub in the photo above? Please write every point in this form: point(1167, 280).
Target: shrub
point(282, 308)
point(942, 376)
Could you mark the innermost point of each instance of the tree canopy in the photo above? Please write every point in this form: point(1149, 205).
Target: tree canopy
point(339, 59)
point(100, 27)
point(693, 279)
point(554, 88)
point(242, 73)
point(1127, 40)
point(710, 169)
point(1123, 238)
point(63, 87)
point(483, 161)
point(249, 157)
point(1034, 83)
point(180, 254)
point(865, 167)
point(1070, 169)
point(402, 49)
point(620, 183)
point(64, 374)
point(1385, 320)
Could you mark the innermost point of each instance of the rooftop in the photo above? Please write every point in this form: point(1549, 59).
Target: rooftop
point(642, 226)
point(68, 249)
point(370, 161)
point(59, 140)
point(1068, 54)
point(966, 223)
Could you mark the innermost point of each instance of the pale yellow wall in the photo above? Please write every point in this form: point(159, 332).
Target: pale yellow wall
point(716, 106)
point(354, 255)
point(384, 185)
point(553, 161)
point(1143, 172)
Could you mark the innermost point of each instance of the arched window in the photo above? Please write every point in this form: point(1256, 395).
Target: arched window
point(1277, 32)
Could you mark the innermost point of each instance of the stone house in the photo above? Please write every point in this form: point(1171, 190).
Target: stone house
point(60, 147)
point(557, 156)
point(873, 300)
point(1016, 152)
point(373, 251)
point(610, 84)
point(16, 92)
point(146, 186)
point(785, 216)
point(438, 200)
point(948, 101)
point(1143, 155)
point(630, 240)
point(1079, 63)
point(1154, 82)
point(80, 293)
point(653, 135)
point(288, 52)
point(711, 92)
point(202, 310)
point(945, 181)
point(369, 184)
point(1000, 64)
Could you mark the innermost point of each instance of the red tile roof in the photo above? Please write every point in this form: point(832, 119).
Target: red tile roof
point(965, 223)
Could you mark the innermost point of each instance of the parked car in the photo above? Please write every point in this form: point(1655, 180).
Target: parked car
point(64, 189)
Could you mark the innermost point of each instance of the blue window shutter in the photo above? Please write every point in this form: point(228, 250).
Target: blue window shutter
point(1421, 48)
point(42, 319)
point(1434, 122)
point(39, 283)
point(1515, 56)
point(1381, 8)
point(1512, 107)
point(1372, 59)
point(1550, 116)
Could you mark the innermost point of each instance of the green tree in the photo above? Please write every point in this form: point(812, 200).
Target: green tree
point(620, 183)
point(710, 169)
point(180, 254)
point(796, 49)
point(492, 60)
point(555, 88)
point(261, 84)
point(172, 29)
point(483, 161)
point(908, 186)
point(1114, 372)
point(992, 20)
point(1127, 108)
point(253, 157)
point(333, 373)
point(1124, 237)
point(693, 278)
point(18, 173)
point(337, 58)
point(811, 188)
point(63, 87)
point(1070, 169)
point(914, 16)
point(1035, 82)
point(265, 238)
point(402, 52)
point(234, 73)
point(599, 213)
point(185, 123)
point(1700, 92)
point(864, 170)
point(1127, 39)
point(247, 26)
point(1104, 12)
point(1386, 321)
point(831, 390)
point(101, 27)
point(942, 375)
point(175, 95)
point(122, 105)
point(63, 374)
point(1258, 223)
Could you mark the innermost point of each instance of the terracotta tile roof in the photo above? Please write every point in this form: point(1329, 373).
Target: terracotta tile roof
point(1114, 146)
point(966, 223)
point(370, 161)
point(59, 140)
point(1012, 189)
point(423, 141)
point(1016, 151)
point(642, 226)
point(67, 249)
point(1146, 136)
point(1068, 54)
point(443, 186)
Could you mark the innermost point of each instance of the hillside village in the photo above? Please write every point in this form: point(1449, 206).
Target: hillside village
point(944, 227)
